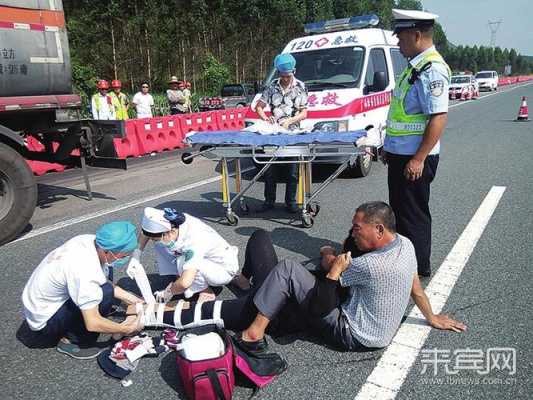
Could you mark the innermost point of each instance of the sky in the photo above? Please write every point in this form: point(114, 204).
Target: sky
point(466, 22)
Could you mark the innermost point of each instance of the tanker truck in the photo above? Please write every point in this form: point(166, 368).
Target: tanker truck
point(37, 105)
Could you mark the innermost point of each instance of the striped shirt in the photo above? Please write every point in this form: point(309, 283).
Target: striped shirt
point(380, 285)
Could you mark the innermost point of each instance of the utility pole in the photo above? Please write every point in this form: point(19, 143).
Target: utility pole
point(494, 26)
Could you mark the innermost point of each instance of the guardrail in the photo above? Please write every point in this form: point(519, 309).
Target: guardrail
point(511, 80)
point(154, 135)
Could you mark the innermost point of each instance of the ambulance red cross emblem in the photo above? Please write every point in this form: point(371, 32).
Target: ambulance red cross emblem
point(321, 42)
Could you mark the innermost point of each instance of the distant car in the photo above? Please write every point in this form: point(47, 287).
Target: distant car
point(231, 96)
point(463, 87)
point(487, 80)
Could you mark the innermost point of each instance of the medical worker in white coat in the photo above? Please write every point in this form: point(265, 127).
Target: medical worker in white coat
point(189, 252)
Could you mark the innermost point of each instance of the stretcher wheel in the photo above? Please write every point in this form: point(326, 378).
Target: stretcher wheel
point(313, 209)
point(184, 160)
point(244, 208)
point(307, 221)
point(232, 219)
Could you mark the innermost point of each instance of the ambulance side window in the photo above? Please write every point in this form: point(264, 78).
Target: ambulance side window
point(376, 63)
point(399, 62)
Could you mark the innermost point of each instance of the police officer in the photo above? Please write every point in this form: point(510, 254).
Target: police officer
point(417, 117)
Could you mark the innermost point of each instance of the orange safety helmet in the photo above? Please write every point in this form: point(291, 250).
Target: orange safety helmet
point(102, 84)
point(115, 83)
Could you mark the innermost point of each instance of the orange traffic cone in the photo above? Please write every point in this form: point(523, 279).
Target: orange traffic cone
point(523, 114)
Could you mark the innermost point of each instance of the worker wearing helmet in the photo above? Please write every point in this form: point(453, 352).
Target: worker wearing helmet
point(68, 296)
point(120, 100)
point(102, 103)
point(286, 97)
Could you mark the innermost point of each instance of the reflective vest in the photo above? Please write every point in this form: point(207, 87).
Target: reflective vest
point(97, 98)
point(399, 123)
point(120, 102)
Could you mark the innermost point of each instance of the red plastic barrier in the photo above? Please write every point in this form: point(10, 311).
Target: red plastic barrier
point(227, 120)
point(240, 114)
point(159, 133)
point(147, 134)
point(41, 167)
point(198, 122)
point(128, 146)
point(174, 133)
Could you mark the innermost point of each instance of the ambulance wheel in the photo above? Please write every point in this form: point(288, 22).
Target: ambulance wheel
point(18, 193)
point(313, 209)
point(232, 219)
point(188, 160)
point(307, 221)
point(362, 166)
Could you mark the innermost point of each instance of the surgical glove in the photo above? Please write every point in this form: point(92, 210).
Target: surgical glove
point(164, 296)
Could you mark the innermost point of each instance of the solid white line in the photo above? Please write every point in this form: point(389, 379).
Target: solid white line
point(386, 380)
point(83, 218)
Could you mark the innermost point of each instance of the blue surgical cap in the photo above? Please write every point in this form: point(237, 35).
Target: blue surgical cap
point(118, 236)
point(285, 63)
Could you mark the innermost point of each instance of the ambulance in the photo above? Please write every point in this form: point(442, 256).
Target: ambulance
point(349, 67)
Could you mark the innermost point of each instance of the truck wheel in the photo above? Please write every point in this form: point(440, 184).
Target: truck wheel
point(18, 193)
point(362, 167)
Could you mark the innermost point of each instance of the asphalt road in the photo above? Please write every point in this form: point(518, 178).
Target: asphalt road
point(482, 147)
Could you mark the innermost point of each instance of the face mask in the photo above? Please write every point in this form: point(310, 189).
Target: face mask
point(116, 263)
point(121, 262)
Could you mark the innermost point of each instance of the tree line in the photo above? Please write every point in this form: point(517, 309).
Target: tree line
point(208, 42)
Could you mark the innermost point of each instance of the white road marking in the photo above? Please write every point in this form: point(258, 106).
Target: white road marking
point(385, 381)
point(83, 218)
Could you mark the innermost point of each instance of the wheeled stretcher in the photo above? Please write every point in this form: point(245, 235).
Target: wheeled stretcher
point(267, 150)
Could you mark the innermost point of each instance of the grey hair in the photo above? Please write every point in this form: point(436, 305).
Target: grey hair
point(378, 212)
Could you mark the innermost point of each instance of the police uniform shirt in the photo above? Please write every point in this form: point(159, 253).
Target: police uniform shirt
point(428, 95)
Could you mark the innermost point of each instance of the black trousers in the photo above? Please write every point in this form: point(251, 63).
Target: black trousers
point(238, 314)
point(68, 321)
point(272, 174)
point(410, 203)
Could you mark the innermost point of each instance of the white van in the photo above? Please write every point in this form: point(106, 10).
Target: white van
point(487, 80)
point(349, 69)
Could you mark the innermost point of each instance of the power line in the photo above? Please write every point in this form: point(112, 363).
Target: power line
point(494, 26)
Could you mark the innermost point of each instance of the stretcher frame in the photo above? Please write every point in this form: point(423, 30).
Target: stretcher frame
point(345, 154)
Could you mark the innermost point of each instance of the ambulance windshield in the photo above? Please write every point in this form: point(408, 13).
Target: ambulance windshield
point(331, 68)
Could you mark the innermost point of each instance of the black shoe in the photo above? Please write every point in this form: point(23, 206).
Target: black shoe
point(292, 208)
point(80, 352)
point(257, 347)
point(266, 207)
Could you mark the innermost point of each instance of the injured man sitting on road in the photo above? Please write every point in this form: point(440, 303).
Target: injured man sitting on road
point(69, 295)
point(379, 284)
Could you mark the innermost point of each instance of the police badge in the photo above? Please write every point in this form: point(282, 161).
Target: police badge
point(436, 88)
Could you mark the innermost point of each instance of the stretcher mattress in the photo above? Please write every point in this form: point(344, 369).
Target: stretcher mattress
point(282, 139)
